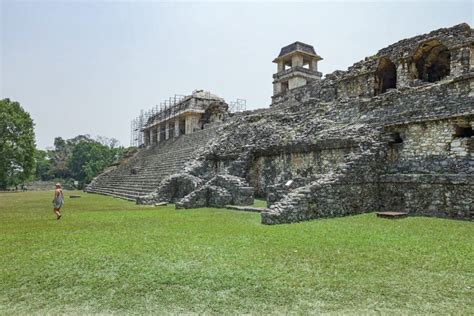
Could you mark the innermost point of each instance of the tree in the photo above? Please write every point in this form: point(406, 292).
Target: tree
point(110, 142)
point(88, 159)
point(43, 165)
point(80, 158)
point(17, 144)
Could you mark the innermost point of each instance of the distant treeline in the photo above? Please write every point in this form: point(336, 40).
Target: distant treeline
point(80, 158)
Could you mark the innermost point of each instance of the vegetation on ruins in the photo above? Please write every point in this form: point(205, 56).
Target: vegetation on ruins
point(114, 257)
point(17, 144)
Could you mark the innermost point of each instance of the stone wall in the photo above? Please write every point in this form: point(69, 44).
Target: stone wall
point(432, 171)
point(270, 170)
point(450, 195)
point(352, 188)
point(360, 86)
point(429, 139)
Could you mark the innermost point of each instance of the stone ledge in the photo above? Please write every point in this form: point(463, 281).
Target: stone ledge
point(392, 215)
point(456, 179)
point(245, 208)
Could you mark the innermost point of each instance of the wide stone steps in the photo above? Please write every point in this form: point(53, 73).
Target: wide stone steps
point(143, 173)
point(154, 163)
point(128, 184)
point(149, 175)
point(121, 191)
point(129, 196)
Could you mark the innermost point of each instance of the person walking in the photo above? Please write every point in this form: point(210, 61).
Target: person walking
point(58, 200)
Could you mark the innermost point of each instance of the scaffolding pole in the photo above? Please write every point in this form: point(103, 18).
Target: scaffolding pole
point(239, 105)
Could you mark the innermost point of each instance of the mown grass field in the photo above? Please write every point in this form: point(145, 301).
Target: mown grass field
point(111, 256)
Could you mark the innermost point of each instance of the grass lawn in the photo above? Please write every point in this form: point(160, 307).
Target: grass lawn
point(111, 256)
point(259, 203)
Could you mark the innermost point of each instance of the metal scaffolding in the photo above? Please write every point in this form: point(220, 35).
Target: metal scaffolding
point(166, 110)
point(238, 105)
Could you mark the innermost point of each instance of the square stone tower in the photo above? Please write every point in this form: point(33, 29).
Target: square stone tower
point(297, 66)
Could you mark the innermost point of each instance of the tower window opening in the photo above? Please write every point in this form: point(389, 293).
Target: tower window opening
point(306, 64)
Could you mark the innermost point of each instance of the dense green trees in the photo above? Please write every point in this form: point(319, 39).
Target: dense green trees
point(80, 158)
point(43, 165)
point(17, 144)
point(88, 159)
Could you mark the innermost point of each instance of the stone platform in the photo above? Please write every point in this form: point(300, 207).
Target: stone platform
point(392, 215)
point(245, 208)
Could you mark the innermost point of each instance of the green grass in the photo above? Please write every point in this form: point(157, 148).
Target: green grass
point(112, 256)
point(259, 203)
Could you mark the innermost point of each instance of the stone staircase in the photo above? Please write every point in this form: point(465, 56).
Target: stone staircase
point(142, 173)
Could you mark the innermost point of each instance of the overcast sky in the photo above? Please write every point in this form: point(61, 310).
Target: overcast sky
point(88, 67)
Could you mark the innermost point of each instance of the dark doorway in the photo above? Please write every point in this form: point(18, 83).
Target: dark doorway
point(162, 134)
point(385, 76)
point(431, 62)
point(171, 130)
point(182, 127)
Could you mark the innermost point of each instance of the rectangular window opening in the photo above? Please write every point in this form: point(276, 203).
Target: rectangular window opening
point(463, 132)
point(396, 138)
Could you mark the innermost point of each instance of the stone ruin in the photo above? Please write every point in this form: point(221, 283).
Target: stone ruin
point(392, 133)
point(191, 114)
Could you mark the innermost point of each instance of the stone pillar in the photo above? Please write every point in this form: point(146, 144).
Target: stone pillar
point(188, 124)
point(167, 130)
point(297, 60)
point(460, 61)
point(276, 88)
point(281, 66)
point(313, 65)
point(157, 132)
point(403, 74)
point(176, 127)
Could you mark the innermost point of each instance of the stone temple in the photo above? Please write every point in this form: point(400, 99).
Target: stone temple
point(190, 114)
point(392, 133)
